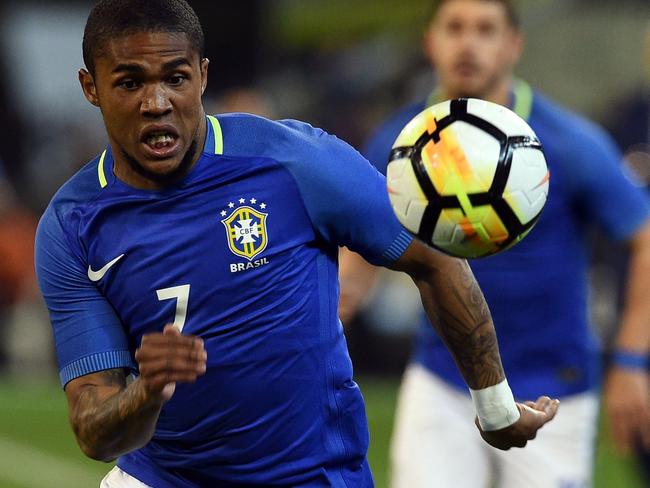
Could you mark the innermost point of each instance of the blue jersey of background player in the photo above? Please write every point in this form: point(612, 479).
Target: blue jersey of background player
point(227, 229)
point(537, 290)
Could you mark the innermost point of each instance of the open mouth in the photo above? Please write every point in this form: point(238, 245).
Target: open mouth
point(160, 142)
point(466, 69)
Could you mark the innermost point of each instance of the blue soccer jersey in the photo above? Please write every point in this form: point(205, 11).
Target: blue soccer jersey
point(537, 290)
point(243, 253)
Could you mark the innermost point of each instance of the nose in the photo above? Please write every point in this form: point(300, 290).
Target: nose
point(155, 102)
point(466, 38)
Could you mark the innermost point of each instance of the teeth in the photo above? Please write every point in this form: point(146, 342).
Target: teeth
point(159, 139)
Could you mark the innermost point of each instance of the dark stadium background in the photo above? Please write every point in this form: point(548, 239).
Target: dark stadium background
point(338, 64)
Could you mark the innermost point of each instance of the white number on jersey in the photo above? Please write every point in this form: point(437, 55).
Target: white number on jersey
point(182, 295)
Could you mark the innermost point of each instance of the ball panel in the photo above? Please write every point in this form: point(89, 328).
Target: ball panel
point(443, 232)
point(470, 240)
point(527, 187)
point(494, 226)
point(504, 119)
point(404, 192)
point(413, 215)
point(453, 167)
point(524, 209)
point(421, 123)
point(469, 235)
point(395, 170)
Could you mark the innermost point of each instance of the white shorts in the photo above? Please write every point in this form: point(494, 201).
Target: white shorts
point(436, 444)
point(116, 478)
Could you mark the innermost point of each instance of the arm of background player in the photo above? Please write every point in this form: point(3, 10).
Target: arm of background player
point(454, 302)
point(357, 277)
point(627, 391)
point(110, 418)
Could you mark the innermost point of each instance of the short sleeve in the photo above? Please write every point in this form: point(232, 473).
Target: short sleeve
point(345, 196)
point(601, 186)
point(88, 335)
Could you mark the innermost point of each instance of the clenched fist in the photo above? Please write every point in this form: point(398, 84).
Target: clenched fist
point(167, 358)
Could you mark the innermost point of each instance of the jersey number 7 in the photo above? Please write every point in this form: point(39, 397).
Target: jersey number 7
point(182, 295)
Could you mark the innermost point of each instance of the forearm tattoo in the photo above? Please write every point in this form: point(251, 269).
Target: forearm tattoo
point(463, 320)
point(107, 425)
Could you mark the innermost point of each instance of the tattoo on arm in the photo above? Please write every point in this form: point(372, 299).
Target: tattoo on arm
point(462, 319)
point(109, 418)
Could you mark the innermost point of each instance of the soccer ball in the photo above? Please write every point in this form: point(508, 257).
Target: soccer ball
point(468, 177)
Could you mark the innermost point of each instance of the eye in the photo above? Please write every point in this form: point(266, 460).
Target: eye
point(176, 80)
point(454, 28)
point(487, 29)
point(128, 84)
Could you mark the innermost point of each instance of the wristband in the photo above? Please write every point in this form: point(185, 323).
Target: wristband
point(630, 360)
point(495, 406)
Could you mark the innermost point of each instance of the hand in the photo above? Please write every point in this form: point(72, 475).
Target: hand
point(169, 357)
point(533, 416)
point(351, 298)
point(356, 277)
point(627, 403)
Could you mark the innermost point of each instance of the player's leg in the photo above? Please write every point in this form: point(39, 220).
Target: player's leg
point(562, 454)
point(116, 478)
point(435, 442)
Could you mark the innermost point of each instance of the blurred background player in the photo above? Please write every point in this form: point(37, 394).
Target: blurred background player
point(537, 291)
point(627, 389)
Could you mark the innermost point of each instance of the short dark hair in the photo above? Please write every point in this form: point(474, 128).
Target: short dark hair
point(113, 18)
point(512, 12)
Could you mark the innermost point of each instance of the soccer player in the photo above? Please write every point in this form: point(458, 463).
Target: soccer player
point(537, 290)
point(227, 229)
point(627, 390)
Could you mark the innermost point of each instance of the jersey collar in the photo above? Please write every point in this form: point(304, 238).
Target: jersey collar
point(521, 98)
point(214, 137)
point(213, 145)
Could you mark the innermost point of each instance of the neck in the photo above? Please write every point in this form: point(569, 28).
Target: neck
point(497, 93)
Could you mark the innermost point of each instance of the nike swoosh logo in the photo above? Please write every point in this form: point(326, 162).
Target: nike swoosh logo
point(99, 274)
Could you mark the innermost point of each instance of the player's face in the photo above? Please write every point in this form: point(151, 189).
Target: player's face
point(472, 46)
point(148, 87)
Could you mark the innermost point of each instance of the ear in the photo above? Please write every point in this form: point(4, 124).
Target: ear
point(517, 46)
point(88, 87)
point(204, 74)
point(428, 45)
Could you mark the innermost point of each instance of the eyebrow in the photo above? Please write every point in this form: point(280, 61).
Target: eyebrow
point(136, 68)
point(176, 63)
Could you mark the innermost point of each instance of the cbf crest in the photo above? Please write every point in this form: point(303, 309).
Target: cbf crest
point(246, 228)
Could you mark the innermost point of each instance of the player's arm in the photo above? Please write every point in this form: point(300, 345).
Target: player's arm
point(110, 418)
point(596, 177)
point(356, 278)
point(627, 389)
point(454, 302)
point(347, 202)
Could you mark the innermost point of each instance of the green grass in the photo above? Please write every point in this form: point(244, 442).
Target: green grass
point(611, 468)
point(37, 447)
